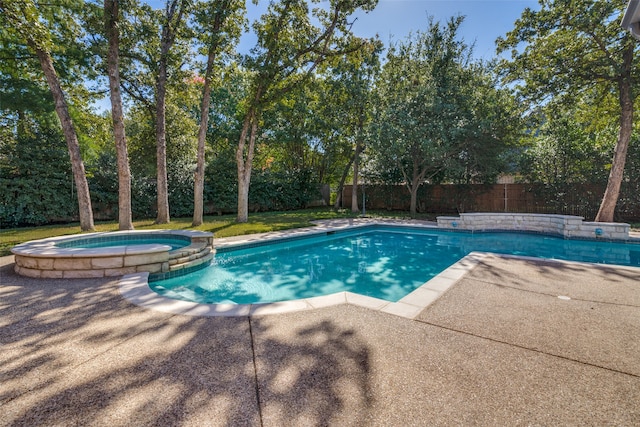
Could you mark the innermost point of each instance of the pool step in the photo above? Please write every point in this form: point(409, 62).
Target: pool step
point(193, 256)
point(188, 250)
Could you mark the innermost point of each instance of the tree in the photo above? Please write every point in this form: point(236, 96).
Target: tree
point(335, 109)
point(348, 108)
point(423, 104)
point(571, 46)
point(24, 18)
point(112, 17)
point(491, 130)
point(219, 23)
point(289, 50)
point(154, 50)
point(566, 149)
point(174, 12)
point(181, 133)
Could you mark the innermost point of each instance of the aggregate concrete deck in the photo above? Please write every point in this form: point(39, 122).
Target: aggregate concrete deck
point(498, 348)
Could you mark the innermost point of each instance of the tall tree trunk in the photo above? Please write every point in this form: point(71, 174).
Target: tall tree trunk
point(198, 184)
point(413, 206)
point(413, 185)
point(611, 193)
point(124, 175)
point(343, 178)
point(161, 146)
point(77, 166)
point(356, 167)
point(244, 161)
point(174, 12)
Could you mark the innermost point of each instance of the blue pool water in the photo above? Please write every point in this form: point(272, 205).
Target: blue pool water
point(102, 242)
point(382, 262)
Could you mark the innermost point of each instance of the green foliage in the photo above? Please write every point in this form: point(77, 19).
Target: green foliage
point(220, 189)
point(217, 28)
point(293, 41)
point(143, 197)
point(221, 183)
point(563, 152)
point(21, 85)
point(181, 157)
point(180, 176)
point(346, 108)
point(103, 184)
point(286, 190)
point(56, 28)
point(140, 40)
point(139, 127)
point(35, 175)
point(104, 188)
point(25, 94)
point(270, 189)
point(492, 129)
point(422, 103)
point(567, 157)
point(293, 136)
point(566, 46)
point(439, 116)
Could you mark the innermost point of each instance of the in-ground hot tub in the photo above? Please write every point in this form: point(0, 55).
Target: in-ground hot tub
point(114, 254)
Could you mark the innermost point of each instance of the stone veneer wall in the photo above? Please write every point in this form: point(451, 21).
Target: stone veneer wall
point(564, 225)
point(44, 259)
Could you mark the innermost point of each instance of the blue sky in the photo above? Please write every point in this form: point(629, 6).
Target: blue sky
point(393, 20)
point(485, 20)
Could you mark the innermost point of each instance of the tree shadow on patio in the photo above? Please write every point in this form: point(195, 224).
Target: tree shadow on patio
point(76, 352)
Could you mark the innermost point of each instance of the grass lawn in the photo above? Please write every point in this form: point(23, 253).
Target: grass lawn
point(221, 226)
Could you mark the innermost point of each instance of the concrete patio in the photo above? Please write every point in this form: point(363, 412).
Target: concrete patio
point(498, 348)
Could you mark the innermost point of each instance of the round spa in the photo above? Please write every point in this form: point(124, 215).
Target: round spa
point(160, 252)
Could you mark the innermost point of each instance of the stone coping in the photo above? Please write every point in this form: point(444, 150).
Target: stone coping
point(568, 226)
point(47, 248)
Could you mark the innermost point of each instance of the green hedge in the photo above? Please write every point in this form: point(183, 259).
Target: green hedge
point(36, 181)
point(37, 186)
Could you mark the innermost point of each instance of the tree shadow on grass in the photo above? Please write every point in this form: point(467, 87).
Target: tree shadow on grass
point(76, 353)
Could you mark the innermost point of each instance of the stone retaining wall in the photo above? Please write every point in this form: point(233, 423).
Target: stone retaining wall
point(45, 259)
point(567, 226)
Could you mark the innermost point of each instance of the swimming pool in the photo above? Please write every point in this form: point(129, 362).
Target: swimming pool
point(381, 261)
point(174, 242)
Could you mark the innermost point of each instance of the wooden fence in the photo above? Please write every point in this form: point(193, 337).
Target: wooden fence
point(576, 199)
